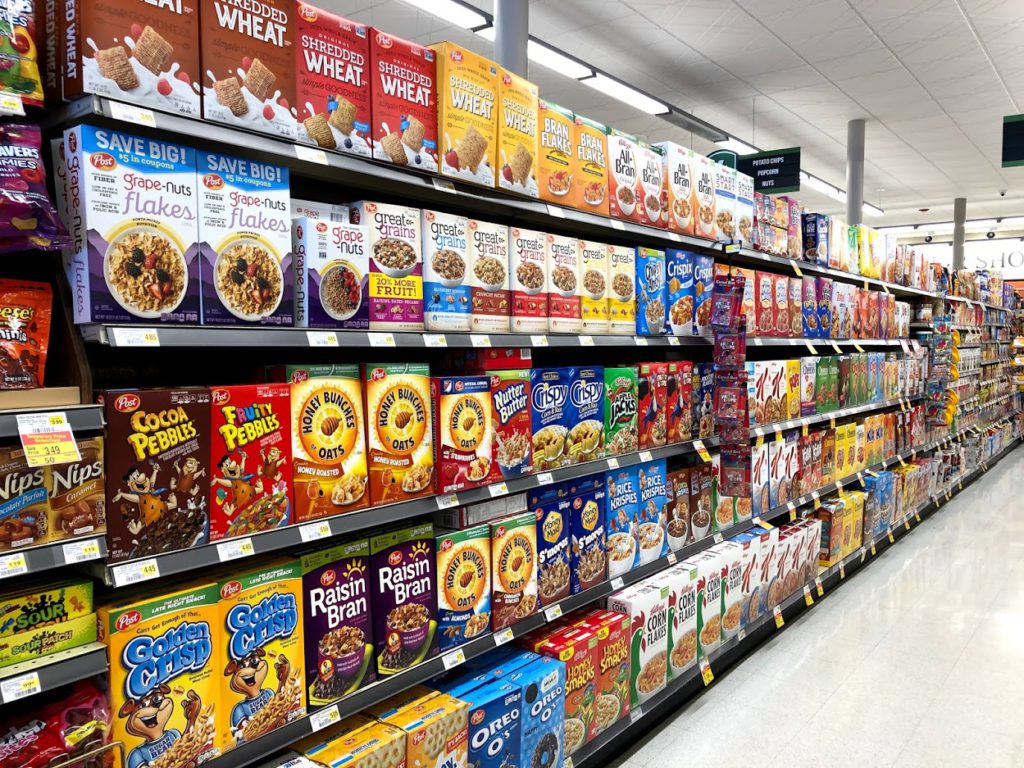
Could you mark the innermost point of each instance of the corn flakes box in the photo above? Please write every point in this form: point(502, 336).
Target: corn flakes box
point(400, 457)
point(462, 431)
point(590, 169)
point(555, 155)
point(437, 732)
point(549, 412)
point(165, 675)
point(446, 289)
point(621, 425)
point(682, 582)
point(467, 114)
point(463, 585)
point(710, 570)
point(594, 277)
point(514, 565)
point(621, 293)
point(647, 606)
point(517, 133)
point(510, 420)
point(732, 587)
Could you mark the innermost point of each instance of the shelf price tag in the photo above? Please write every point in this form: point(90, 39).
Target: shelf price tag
point(315, 531)
point(819, 587)
point(906, 523)
point(554, 612)
point(917, 516)
point(454, 659)
point(741, 635)
point(873, 550)
point(382, 339)
point(545, 478)
point(817, 499)
point(505, 636)
point(832, 422)
point(444, 185)
point(13, 564)
point(672, 558)
point(480, 340)
point(47, 439)
point(616, 224)
point(705, 672)
point(718, 538)
point(322, 338)
point(235, 549)
point(858, 347)
point(778, 436)
point(779, 621)
point(835, 346)
point(810, 347)
point(673, 341)
point(554, 210)
point(539, 341)
point(134, 573)
point(435, 340)
point(635, 713)
point(796, 268)
point(760, 437)
point(497, 489)
point(863, 553)
point(447, 500)
point(640, 341)
point(905, 346)
point(617, 583)
point(613, 463)
point(310, 154)
point(808, 597)
point(11, 104)
point(136, 337)
point(586, 341)
point(805, 427)
point(129, 113)
point(702, 451)
point(792, 510)
point(899, 457)
point(842, 571)
point(81, 551)
point(324, 717)
point(20, 687)
point(567, 763)
point(646, 456)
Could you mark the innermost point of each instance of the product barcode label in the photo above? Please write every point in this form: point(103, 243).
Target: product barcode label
point(315, 531)
point(381, 339)
point(480, 340)
point(310, 154)
point(539, 341)
point(435, 340)
point(545, 478)
point(136, 337)
point(13, 564)
point(554, 612)
point(446, 501)
point(324, 717)
point(133, 573)
point(20, 687)
point(497, 489)
point(81, 551)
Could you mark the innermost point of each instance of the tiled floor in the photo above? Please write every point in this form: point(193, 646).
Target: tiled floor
point(917, 661)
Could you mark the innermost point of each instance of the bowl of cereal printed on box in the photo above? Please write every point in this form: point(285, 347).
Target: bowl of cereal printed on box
point(397, 257)
point(248, 278)
point(341, 292)
point(144, 266)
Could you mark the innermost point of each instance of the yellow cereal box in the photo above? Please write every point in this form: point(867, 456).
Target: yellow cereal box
point(259, 656)
point(793, 389)
point(164, 685)
point(467, 115)
point(594, 258)
point(462, 431)
point(437, 731)
point(555, 153)
point(590, 166)
point(517, 134)
point(376, 745)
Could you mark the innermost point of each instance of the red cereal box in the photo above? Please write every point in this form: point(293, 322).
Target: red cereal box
point(250, 450)
point(780, 285)
point(764, 303)
point(510, 420)
point(652, 392)
point(679, 401)
point(579, 651)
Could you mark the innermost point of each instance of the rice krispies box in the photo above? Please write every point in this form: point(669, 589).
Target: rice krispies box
point(463, 585)
point(488, 275)
point(331, 262)
point(647, 606)
point(528, 270)
point(585, 439)
point(133, 222)
point(651, 510)
point(622, 520)
point(462, 431)
point(563, 284)
point(586, 516)
point(549, 413)
point(511, 424)
point(650, 291)
point(513, 569)
point(446, 289)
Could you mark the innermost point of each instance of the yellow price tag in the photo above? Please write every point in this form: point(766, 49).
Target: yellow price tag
point(805, 429)
point(906, 523)
point(47, 439)
point(832, 422)
point(819, 586)
point(842, 571)
point(873, 550)
point(899, 457)
point(917, 516)
point(705, 672)
point(704, 454)
point(759, 442)
point(779, 621)
point(778, 436)
point(796, 268)
point(808, 597)
point(892, 539)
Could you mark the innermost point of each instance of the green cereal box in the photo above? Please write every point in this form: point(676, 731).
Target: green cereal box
point(40, 620)
point(620, 413)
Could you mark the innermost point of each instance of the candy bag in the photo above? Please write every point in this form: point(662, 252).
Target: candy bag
point(25, 309)
point(27, 217)
point(19, 67)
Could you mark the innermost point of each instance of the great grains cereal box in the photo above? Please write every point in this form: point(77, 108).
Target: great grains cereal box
point(549, 413)
point(165, 675)
point(650, 291)
point(463, 585)
point(446, 288)
point(467, 113)
point(563, 284)
point(647, 606)
point(251, 454)
point(517, 134)
point(555, 168)
point(621, 290)
point(529, 273)
point(590, 175)
point(462, 431)
point(624, 176)
point(514, 569)
point(489, 284)
point(511, 424)
point(331, 262)
point(594, 277)
point(400, 456)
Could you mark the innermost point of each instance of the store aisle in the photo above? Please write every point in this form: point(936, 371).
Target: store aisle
point(917, 661)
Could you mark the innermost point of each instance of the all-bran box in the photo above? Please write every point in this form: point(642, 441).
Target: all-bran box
point(555, 169)
point(514, 569)
point(652, 398)
point(251, 457)
point(647, 606)
point(331, 262)
point(621, 425)
point(517, 134)
point(489, 284)
point(679, 272)
point(462, 431)
point(587, 529)
point(563, 284)
point(624, 160)
point(447, 294)
point(704, 196)
point(590, 174)
point(165, 675)
point(467, 114)
point(133, 220)
point(336, 627)
point(585, 439)
point(248, 64)
point(404, 107)
point(511, 423)
point(594, 278)
point(260, 652)
point(463, 585)
point(244, 241)
point(328, 441)
point(529, 274)
point(622, 290)
point(678, 184)
point(402, 567)
point(549, 413)
point(157, 470)
point(554, 543)
point(650, 292)
point(396, 265)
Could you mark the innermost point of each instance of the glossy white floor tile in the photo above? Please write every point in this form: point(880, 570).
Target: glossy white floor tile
point(917, 661)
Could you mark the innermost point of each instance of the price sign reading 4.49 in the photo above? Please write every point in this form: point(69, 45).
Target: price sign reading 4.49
point(47, 439)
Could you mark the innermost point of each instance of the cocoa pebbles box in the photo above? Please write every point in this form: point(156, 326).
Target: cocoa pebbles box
point(157, 470)
point(332, 81)
point(402, 567)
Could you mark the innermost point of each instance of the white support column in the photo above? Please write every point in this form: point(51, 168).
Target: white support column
point(855, 171)
point(511, 32)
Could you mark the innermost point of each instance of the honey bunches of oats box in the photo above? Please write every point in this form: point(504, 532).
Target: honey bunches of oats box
point(463, 585)
point(462, 431)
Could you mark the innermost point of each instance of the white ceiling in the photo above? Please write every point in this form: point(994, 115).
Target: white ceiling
point(933, 79)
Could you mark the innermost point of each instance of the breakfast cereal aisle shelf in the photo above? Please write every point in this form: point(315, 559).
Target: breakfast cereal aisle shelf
point(49, 556)
point(83, 419)
point(43, 675)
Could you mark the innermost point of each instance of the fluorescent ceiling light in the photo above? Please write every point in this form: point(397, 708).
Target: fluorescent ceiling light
point(822, 186)
point(874, 210)
point(739, 147)
point(979, 224)
point(1013, 221)
point(458, 14)
point(627, 95)
point(907, 229)
point(546, 56)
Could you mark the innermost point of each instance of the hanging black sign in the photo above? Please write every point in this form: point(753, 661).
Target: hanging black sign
point(1013, 140)
point(774, 172)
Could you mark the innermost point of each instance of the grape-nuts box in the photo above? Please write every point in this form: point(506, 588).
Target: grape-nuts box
point(650, 292)
point(446, 288)
point(331, 274)
point(133, 220)
point(396, 265)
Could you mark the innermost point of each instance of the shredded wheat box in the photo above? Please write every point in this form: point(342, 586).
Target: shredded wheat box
point(517, 134)
point(467, 114)
point(404, 110)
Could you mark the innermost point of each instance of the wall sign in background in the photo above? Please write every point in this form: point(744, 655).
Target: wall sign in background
point(1013, 141)
point(1006, 255)
point(775, 171)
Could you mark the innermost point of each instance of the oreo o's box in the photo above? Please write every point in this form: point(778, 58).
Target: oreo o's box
point(542, 720)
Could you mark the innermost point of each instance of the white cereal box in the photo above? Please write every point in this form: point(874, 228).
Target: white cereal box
point(528, 267)
point(331, 274)
point(767, 567)
point(490, 294)
point(732, 587)
point(563, 284)
point(710, 565)
point(750, 575)
point(725, 202)
point(744, 208)
point(647, 606)
point(594, 278)
point(621, 290)
point(704, 196)
point(446, 291)
point(682, 610)
point(678, 183)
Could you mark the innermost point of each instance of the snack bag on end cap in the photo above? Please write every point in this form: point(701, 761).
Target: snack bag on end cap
point(27, 217)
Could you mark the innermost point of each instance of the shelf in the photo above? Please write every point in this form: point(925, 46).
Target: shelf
point(83, 419)
point(771, 341)
point(997, 360)
point(44, 674)
point(820, 418)
point(49, 556)
point(985, 304)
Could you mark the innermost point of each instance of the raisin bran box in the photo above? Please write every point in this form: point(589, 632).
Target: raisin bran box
point(587, 528)
point(402, 567)
point(514, 569)
point(650, 292)
point(585, 439)
point(549, 413)
point(251, 458)
point(554, 542)
point(336, 625)
point(463, 585)
point(446, 288)
point(157, 470)
point(511, 424)
point(489, 284)
point(331, 261)
point(462, 431)
point(621, 429)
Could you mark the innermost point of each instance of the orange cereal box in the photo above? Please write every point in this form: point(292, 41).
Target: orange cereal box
point(399, 437)
point(467, 116)
point(437, 731)
point(517, 134)
point(555, 153)
point(260, 654)
point(462, 431)
point(513, 569)
point(590, 166)
point(164, 685)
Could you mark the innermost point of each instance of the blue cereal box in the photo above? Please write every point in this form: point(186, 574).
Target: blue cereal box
point(542, 723)
point(815, 238)
point(587, 529)
point(651, 513)
point(679, 271)
point(554, 542)
point(495, 724)
point(549, 416)
point(585, 439)
point(621, 519)
point(703, 397)
point(703, 285)
point(447, 304)
point(650, 292)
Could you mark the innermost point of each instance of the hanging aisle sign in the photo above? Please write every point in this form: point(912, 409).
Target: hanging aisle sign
point(774, 172)
point(1013, 141)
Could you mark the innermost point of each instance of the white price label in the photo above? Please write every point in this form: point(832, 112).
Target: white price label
point(322, 338)
point(310, 154)
point(673, 341)
point(906, 347)
point(718, 538)
point(545, 478)
point(13, 565)
point(741, 635)
point(617, 583)
point(554, 612)
point(134, 573)
point(324, 717)
point(381, 339)
point(758, 342)
point(444, 185)
point(586, 341)
point(672, 558)
point(454, 659)
point(19, 687)
point(11, 104)
point(916, 345)
point(635, 714)
point(646, 456)
point(554, 210)
point(435, 340)
point(505, 636)
point(81, 551)
point(136, 337)
point(539, 341)
point(315, 531)
point(674, 236)
point(480, 340)
point(497, 489)
point(616, 224)
point(235, 549)
point(640, 341)
point(835, 346)
point(447, 501)
point(810, 347)
point(129, 113)
point(613, 463)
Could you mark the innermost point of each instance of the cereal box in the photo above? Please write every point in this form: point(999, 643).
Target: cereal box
point(682, 582)
point(611, 673)
point(679, 403)
point(157, 470)
point(462, 431)
point(554, 542)
point(652, 398)
point(679, 271)
point(764, 307)
point(710, 572)
point(402, 568)
point(744, 208)
point(701, 500)
point(594, 259)
point(529, 275)
point(586, 516)
point(510, 420)
point(703, 171)
point(489, 285)
point(148, 57)
point(622, 281)
point(446, 289)
point(703, 285)
point(437, 730)
point(723, 506)
point(622, 515)
point(133, 221)
point(770, 590)
point(514, 569)
point(517, 134)
point(677, 181)
point(677, 490)
point(251, 487)
point(495, 736)
point(467, 114)
point(650, 292)
point(23, 501)
point(396, 265)
point(653, 210)
point(651, 511)
point(647, 606)
point(703, 399)
point(404, 110)
point(336, 625)
point(555, 152)
point(795, 307)
point(399, 436)
point(332, 81)
point(463, 585)
point(543, 712)
point(621, 425)
point(750, 574)
point(731, 554)
point(164, 677)
point(331, 262)
point(780, 293)
point(77, 504)
point(359, 742)
point(563, 284)
point(624, 161)
point(760, 473)
point(328, 441)
point(585, 439)
point(590, 174)
point(725, 202)
point(550, 405)
point(578, 649)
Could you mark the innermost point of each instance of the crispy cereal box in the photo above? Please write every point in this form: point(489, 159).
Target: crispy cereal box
point(462, 431)
point(621, 284)
point(585, 440)
point(514, 567)
point(510, 422)
point(463, 585)
point(555, 168)
point(517, 134)
point(590, 166)
point(467, 114)
point(164, 657)
point(489, 285)
point(651, 292)
point(399, 434)
point(549, 399)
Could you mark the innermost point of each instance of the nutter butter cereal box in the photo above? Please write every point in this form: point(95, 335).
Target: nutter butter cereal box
point(514, 569)
point(621, 290)
point(446, 286)
point(467, 114)
point(77, 505)
point(517, 134)
point(590, 174)
point(399, 436)
point(251, 457)
point(511, 425)
point(462, 431)
point(248, 64)
point(332, 81)
point(529, 272)
point(488, 275)
point(463, 585)
point(594, 278)
point(157, 470)
point(404, 109)
point(164, 657)
point(555, 166)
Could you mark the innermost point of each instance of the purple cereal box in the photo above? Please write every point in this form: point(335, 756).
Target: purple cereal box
point(554, 542)
point(809, 308)
point(823, 296)
point(587, 528)
point(703, 397)
point(331, 274)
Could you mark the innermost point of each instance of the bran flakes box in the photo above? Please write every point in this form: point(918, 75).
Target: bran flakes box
point(594, 280)
point(133, 222)
point(529, 273)
point(517, 134)
point(399, 435)
point(402, 567)
point(463, 585)
point(396, 265)
point(680, 291)
point(554, 542)
point(650, 291)
point(621, 290)
point(590, 168)
point(585, 439)
point(563, 284)
point(248, 64)
point(467, 114)
point(647, 606)
point(549, 413)
point(331, 261)
point(677, 180)
point(555, 169)
point(514, 569)
point(336, 626)
point(446, 288)
point(462, 431)
point(682, 581)
point(251, 457)
point(621, 422)
point(489, 283)
point(404, 106)
point(161, 653)
point(332, 81)
point(510, 420)
point(260, 653)
point(245, 241)
point(587, 528)
point(624, 158)
point(703, 204)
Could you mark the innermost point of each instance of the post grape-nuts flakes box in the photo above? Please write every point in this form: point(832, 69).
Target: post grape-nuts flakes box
point(331, 274)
